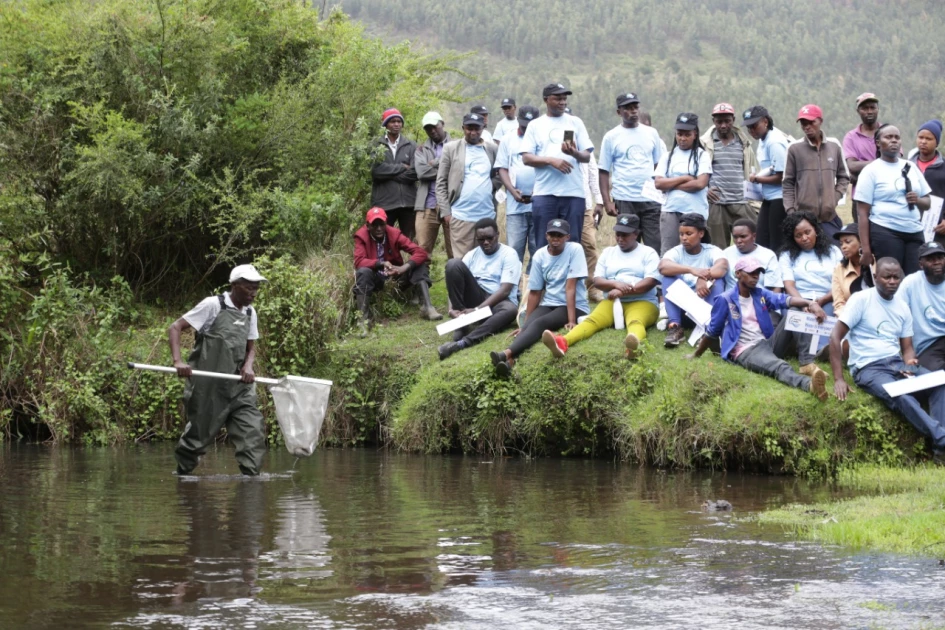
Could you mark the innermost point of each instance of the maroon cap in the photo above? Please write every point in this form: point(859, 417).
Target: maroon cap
point(374, 214)
point(810, 112)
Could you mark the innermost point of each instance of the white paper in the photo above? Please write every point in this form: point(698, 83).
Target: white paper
point(650, 192)
point(500, 196)
point(698, 310)
point(803, 322)
point(696, 335)
point(753, 191)
point(912, 384)
point(618, 315)
point(464, 320)
point(930, 218)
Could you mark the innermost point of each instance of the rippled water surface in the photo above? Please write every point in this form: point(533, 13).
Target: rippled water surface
point(359, 539)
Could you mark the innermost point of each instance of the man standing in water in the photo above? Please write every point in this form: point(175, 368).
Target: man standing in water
point(226, 337)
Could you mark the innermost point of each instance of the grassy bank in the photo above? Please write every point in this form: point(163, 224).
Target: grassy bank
point(901, 510)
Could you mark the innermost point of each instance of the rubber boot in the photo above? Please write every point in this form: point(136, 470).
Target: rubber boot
point(426, 309)
point(364, 323)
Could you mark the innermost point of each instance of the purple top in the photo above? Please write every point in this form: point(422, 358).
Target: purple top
point(431, 196)
point(859, 147)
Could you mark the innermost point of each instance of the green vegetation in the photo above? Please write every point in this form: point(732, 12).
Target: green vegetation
point(685, 56)
point(902, 510)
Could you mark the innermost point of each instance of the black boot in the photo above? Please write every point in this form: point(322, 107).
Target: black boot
point(426, 309)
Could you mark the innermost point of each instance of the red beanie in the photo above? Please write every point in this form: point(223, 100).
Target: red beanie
point(390, 113)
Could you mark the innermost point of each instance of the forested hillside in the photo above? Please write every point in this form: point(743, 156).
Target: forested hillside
point(686, 56)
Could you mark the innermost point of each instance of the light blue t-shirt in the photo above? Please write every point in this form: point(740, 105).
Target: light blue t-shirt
point(927, 302)
point(503, 128)
point(876, 326)
point(551, 273)
point(522, 176)
point(882, 185)
point(772, 154)
point(707, 257)
point(543, 138)
point(812, 276)
point(770, 277)
point(502, 267)
point(629, 155)
point(679, 200)
point(630, 267)
point(475, 199)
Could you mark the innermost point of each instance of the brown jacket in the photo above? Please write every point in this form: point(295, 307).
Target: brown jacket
point(815, 179)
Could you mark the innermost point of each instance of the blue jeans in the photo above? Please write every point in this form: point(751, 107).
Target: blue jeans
point(871, 378)
point(674, 314)
point(520, 231)
point(548, 207)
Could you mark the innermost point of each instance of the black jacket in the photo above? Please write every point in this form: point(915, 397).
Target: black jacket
point(394, 186)
point(935, 176)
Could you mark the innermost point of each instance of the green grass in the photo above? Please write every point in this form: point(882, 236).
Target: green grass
point(902, 510)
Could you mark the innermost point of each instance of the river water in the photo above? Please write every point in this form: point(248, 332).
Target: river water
point(365, 539)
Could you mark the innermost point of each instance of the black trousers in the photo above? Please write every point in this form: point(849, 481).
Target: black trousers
point(542, 318)
point(368, 281)
point(405, 218)
point(465, 293)
point(902, 246)
point(933, 357)
point(649, 213)
point(770, 217)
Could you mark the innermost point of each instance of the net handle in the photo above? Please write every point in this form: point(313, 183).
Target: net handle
point(171, 370)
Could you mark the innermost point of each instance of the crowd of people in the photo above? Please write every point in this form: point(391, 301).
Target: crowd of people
point(740, 212)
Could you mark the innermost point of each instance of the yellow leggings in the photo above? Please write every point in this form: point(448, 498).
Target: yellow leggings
point(637, 316)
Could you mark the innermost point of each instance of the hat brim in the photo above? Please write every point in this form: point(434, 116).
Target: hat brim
point(559, 93)
point(751, 269)
point(868, 100)
point(723, 113)
point(748, 122)
point(507, 105)
point(684, 127)
point(629, 101)
point(473, 123)
point(626, 229)
point(932, 252)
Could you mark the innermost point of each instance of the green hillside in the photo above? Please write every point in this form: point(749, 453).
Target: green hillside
point(686, 56)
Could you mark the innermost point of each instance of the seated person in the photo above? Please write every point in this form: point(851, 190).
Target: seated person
point(741, 319)
point(628, 273)
point(924, 292)
point(557, 296)
point(807, 262)
point(487, 275)
point(378, 257)
point(879, 327)
point(699, 265)
point(847, 275)
point(744, 232)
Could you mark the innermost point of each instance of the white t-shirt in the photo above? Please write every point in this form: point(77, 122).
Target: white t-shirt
point(680, 164)
point(552, 273)
point(630, 267)
point(812, 275)
point(876, 326)
point(490, 272)
point(204, 313)
point(882, 185)
point(770, 277)
point(629, 155)
point(751, 330)
point(543, 138)
point(703, 260)
point(503, 127)
point(927, 303)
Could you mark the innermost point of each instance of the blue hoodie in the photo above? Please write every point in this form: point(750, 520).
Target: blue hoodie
point(726, 321)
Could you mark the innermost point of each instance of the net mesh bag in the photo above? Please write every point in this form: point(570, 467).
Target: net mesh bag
point(301, 404)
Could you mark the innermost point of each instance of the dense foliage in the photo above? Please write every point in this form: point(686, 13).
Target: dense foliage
point(686, 56)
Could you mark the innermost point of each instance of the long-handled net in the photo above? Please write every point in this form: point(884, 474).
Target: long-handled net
point(301, 404)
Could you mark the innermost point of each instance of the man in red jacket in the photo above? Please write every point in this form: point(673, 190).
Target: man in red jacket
point(378, 258)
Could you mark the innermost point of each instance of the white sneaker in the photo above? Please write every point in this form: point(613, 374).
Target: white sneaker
point(662, 313)
point(661, 324)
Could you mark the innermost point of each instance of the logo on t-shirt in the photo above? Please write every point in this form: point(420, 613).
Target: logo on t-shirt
point(932, 315)
point(637, 154)
point(879, 327)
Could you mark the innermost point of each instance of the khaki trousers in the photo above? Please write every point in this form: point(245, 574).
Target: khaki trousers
point(428, 224)
point(721, 218)
point(589, 243)
point(463, 235)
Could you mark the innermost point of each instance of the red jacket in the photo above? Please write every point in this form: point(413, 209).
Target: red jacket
point(365, 249)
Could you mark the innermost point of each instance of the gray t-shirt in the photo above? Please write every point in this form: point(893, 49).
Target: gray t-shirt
point(728, 174)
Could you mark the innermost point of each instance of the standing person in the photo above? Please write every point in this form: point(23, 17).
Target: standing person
point(559, 183)
point(556, 294)
point(815, 173)
point(771, 152)
point(683, 174)
point(859, 144)
point(931, 164)
point(628, 156)
point(741, 321)
point(481, 110)
point(464, 184)
point(924, 293)
point(594, 210)
point(890, 195)
point(509, 123)
point(378, 257)
point(627, 272)
point(486, 276)
point(879, 329)
point(700, 265)
point(226, 332)
point(394, 179)
point(733, 160)
point(848, 273)
point(519, 182)
point(744, 234)
point(426, 163)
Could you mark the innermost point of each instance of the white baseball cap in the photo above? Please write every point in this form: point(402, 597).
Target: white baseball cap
point(432, 118)
point(245, 272)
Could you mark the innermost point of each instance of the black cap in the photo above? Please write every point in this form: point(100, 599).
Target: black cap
point(754, 114)
point(687, 121)
point(526, 114)
point(558, 226)
point(474, 119)
point(479, 109)
point(931, 248)
point(627, 224)
point(554, 88)
point(627, 98)
point(508, 102)
point(693, 219)
point(850, 229)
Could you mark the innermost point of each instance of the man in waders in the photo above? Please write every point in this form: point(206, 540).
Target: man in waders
point(226, 336)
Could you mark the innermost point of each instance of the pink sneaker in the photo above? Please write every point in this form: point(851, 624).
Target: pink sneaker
point(556, 343)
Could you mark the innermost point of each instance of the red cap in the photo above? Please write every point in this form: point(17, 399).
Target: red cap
point(810, 112)
point(390, 113)
point(723, 108)
point(374, 214)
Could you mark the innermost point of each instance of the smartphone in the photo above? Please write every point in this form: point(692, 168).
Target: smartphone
point(526, 199)
point(569, 135)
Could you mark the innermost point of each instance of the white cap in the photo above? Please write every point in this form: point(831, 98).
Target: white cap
point(432, 118)
point(245, 272)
